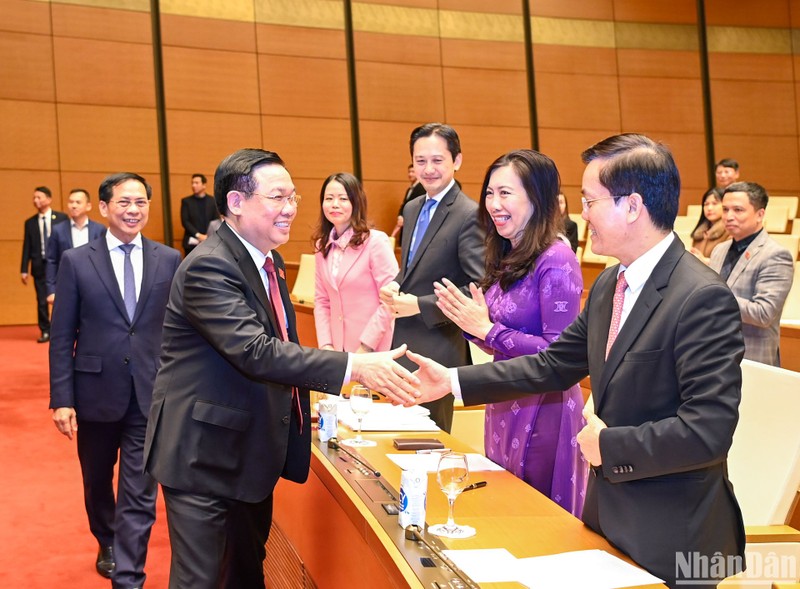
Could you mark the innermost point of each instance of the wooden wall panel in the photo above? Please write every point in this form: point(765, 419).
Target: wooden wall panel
point(486, 97)
point(770, 13)
point(124, 77)
point(29, 135)
point(481, 145)
point(200, 140)
point(768, 160)
point(675, 12)
point(559, 59)
point(384, 149)
point(311, 148)
point(208, 33)
point(577, 101)
point(397, 92)
point(300, 41)
point(400, 49)
point(107, 138)
point(493, 55)
point(565, 146)
point(383, 202)
point(494, 7)
point(742, 107)
point(92, 22)
point(25, 16)
point(18, 203)
point(661, 104)
point(739, 66)
point(595, 10)
point(688, 149)
point(210, 80)
point(19, 301)
point(88, 181)
point(27, 69)
point(659, 64)
point(301, 85)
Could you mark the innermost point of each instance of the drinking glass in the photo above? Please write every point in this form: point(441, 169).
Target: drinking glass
point(360, 403)
point(452, 475)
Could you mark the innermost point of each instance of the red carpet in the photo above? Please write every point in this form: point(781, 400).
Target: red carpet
point(45, 535)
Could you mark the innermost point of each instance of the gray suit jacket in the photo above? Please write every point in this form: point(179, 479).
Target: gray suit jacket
point(453, 248)
point(669, 392)
point(760, 281)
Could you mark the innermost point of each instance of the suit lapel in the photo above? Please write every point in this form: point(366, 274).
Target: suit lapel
point(442, 209)
point(349, 257)
point(251, 274)
point(150, 261)
point(101, 260)
point(649, 300)
point(291, 323)
point(414, 207)
point(751, 252)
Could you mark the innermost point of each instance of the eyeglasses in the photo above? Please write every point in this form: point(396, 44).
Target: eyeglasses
point(280, 200)
point(587, 202)
point(125, 203)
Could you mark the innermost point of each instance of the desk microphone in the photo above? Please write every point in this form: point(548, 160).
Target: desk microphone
point(414, 532)
point(333, 443)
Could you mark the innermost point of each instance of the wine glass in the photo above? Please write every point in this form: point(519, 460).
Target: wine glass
point(360, 403)
point(452, 475)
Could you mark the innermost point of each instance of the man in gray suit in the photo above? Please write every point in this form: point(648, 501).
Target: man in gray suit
point(442, 239)
point(757, 269)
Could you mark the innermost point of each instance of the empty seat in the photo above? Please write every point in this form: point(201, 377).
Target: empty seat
point(789, 201)
point(303, 290)
point(776, 218)
point(790, 242)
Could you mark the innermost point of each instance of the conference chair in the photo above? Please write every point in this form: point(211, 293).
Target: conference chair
point(791, 309)
point(764, 467)
point(581, 223)
point(789, 241)
point(684, 223)
point(789, 201)
point(303, 290)
point(693, 212)
point(776, 218)
point(590, 257)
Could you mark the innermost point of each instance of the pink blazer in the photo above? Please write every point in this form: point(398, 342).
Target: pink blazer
point(347, 311)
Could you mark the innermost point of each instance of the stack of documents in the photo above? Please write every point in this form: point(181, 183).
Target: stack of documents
point(385, 417)
point(430, 461)
point(583, 569)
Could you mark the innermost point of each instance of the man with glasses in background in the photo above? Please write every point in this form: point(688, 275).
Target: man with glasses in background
point(231, 412)
point(109, 307)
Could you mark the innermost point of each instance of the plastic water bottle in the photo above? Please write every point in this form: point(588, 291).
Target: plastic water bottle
point(328, 422)
point(413, 496)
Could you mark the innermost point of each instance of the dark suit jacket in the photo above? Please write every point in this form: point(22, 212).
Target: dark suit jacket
point(453, 248)
point(196, 214)
point(221, 421)
point(31, 243)
point(59, 242)
point(669, 393)
point(96, 354)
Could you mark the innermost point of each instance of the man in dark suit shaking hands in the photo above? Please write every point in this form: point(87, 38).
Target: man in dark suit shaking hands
point(34, 245)
point(109, 308)
point(660, 336)
point(230, 412)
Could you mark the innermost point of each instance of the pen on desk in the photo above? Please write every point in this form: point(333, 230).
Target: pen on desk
point(473, 486)
point(433, 451)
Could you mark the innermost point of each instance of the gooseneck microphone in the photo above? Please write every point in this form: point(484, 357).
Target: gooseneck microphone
point(333, 443)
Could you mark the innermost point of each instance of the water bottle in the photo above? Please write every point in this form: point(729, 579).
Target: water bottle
point(328, 422)
point(413, 495)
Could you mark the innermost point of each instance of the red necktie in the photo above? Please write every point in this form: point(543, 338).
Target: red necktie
point(616, 313)
point(280, 315)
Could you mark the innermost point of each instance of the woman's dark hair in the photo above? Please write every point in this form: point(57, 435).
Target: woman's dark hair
point(540, 179)
point(358, 220)
point(703, 219)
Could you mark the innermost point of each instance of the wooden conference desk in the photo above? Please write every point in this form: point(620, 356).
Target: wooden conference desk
point(343, 544)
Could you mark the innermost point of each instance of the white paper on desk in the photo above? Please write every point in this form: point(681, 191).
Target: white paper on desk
point(429, 462)
point(493, 565)
point(583, 569)
point(385, 417)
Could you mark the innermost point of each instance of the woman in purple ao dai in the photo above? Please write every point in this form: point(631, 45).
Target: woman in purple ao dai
point(533, 288)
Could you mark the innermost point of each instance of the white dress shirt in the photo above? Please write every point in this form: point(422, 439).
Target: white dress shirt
point(80, 235)
point(118, 261)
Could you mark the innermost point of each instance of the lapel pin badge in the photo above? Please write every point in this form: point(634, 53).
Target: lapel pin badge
point(281, 274)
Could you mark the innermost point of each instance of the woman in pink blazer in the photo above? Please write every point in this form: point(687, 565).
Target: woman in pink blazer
point(353, 262)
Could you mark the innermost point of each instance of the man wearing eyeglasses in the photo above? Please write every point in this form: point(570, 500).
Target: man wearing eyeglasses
point(111, 296)
point(230, 412)
point(660, 336)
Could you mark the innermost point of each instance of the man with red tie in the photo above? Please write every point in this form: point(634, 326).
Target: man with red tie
point(660, 336)
point(230, 413)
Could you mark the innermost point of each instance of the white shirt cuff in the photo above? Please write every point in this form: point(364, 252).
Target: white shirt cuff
point(455, 386)
point(349, 368)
